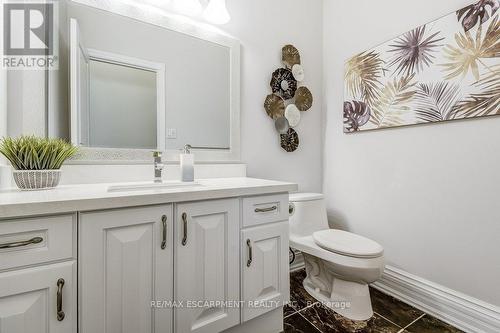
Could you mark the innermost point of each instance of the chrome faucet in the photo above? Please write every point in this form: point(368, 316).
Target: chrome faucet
point(158, 166)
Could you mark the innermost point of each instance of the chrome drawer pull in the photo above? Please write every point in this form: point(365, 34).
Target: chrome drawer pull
point(164, 234)
point(249, 245)
point(60, 312)
point(34, 240)
point(265, 210)
point(185, 223)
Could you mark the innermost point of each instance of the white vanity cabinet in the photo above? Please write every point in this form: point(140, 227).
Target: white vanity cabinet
point(214, 251)
point(265, 280)
point(38, 275)
point(264, 246)
point(29, 300)
point(125, 263)
point(207, 265)
point(209, 259)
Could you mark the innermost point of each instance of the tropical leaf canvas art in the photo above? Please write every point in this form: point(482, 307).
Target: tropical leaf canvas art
point(448, 69)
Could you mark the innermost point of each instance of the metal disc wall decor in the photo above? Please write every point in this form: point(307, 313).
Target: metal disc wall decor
point(298, 73)
point(292, 114)
point(283, 83)
point(290, 140)
point(287, 101)
point(282, 125)
point(275, 106)
point(303, 99)
point(290, 56)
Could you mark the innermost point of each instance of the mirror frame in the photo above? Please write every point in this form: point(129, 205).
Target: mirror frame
point(190, 28)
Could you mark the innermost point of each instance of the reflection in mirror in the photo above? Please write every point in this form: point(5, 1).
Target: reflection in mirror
point(138, 86)
point(117, 101)
point(122, 112)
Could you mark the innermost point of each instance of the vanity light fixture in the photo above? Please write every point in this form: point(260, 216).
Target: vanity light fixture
point(188, 7)
point(216, 12)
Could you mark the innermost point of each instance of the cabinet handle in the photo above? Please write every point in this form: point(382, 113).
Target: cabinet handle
point(249, 245)
point(265, 210)
point(34, 240)
point(185, 225)
point(164, 233)
point(60, 312)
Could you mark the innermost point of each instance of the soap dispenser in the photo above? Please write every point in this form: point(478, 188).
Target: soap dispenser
point(187, 164)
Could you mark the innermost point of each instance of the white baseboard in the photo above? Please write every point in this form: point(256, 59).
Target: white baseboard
point(462, 311)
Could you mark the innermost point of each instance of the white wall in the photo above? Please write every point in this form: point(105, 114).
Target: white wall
point(263, 28)
point(3, 104)
point(26, 102)
point(429, 194)
point(3, 125)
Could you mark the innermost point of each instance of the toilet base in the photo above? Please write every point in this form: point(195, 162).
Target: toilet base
point(347, 298)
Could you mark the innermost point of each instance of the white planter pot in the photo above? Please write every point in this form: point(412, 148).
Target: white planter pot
point(36, 179)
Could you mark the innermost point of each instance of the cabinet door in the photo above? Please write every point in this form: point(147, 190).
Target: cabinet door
point(265, 281)
point(125, 265)
point(207, 265)
point(29, 299)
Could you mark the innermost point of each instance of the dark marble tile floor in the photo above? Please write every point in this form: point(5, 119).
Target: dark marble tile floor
point(305, 315)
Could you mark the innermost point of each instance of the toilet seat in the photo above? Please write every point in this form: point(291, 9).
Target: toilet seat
point(347, 244)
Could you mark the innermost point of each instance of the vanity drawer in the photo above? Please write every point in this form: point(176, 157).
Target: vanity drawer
point(265, 209)
point(36, 240)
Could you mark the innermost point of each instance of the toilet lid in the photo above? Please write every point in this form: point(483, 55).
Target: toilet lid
point(348, 244)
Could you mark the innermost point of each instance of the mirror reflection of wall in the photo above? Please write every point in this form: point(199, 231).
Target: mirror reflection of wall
point(122, 112)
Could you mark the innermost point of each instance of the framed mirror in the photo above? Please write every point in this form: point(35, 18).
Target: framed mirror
point(139, 82)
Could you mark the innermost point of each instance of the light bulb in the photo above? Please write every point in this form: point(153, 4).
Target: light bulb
point(216, 12)
point(188, 7)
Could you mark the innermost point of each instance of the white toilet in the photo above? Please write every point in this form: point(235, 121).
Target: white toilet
point(339, 264)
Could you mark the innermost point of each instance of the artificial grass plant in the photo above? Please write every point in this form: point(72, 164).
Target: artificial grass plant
point(34, 153)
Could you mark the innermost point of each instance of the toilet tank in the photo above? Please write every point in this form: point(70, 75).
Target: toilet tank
point(307, 214)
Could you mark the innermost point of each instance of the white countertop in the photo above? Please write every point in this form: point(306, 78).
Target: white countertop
point(73, 198)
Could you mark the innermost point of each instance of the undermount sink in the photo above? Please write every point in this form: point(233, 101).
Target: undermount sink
point(152, 186)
